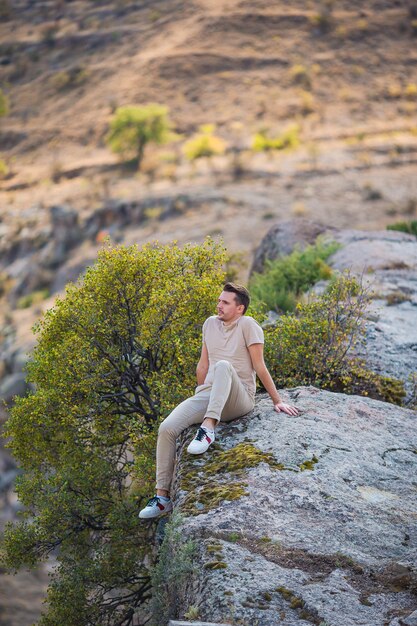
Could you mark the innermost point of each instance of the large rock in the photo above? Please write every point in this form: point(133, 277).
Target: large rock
point(325, 529)
point(282, 238)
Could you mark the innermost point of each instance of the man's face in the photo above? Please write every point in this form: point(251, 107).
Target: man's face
point(228, 310)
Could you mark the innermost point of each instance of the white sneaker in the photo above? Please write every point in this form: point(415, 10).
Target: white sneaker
point(155, 507)
point(201, 441)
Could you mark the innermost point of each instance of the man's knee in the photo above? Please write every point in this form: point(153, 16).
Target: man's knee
point(165, 429)
point(223, 365)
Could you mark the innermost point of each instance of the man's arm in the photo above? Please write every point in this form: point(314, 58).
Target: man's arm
point(256, 351)
point(202, 365)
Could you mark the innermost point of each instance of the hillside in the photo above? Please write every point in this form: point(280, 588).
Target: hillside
point(243, 66)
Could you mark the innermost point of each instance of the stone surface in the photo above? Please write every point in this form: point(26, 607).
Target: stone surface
point(176, 623)
point(13, 385)
point(334, 544)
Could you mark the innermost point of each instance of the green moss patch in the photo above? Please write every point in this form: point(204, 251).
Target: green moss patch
point(210, 496)
point(215, 565)
point(206, 483)
point(240, 457)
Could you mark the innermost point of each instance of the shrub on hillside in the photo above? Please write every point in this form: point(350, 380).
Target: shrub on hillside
point(133, 127)
point(405, 227)
point(69, 79)
point(4, 104)
point(204, 144)
point(112, 359)
point(316, 345)
point(284, 279)
point(287, 140)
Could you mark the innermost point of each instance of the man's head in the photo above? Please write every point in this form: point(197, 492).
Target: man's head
point(233, 302)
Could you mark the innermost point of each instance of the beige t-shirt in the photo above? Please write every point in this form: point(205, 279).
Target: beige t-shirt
point(230, 342)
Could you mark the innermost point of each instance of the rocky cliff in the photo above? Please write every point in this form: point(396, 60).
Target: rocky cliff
point(305, 520)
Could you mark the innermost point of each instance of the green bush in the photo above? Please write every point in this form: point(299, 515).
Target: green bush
point(405, 227)
point(69, 79)
point(316, 345)
point(32, 298)
point(4, 170)
point(284, 279)
point(113, 357)
point(133, 127)
point(287, 140)
point(4, 104)
point(204, 144)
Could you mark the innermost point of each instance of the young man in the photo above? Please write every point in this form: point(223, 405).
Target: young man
point(231, 356)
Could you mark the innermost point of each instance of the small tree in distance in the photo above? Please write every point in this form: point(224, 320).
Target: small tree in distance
point(133, 127)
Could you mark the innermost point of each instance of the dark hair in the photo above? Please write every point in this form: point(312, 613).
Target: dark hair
point(241, 294)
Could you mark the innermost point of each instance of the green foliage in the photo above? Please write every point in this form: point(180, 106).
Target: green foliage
point(4, 170)
point(113, 358)
point(4, 104)
point(32, 298)
point(69, 79)
point(287, 140)
point(133, 127)
point(204, 144)
point(172, 574)
point(405, 227)
point(315, 346)
point(280, 286)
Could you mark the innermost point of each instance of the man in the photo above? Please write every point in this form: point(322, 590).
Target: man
point(231, 356)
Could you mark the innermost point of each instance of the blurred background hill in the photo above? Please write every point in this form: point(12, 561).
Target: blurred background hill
point(334, 82)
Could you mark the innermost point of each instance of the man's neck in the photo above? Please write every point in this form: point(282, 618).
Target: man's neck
point(230, 322)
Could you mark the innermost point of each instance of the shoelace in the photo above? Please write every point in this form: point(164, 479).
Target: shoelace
point(152, 501)
point(201, 433)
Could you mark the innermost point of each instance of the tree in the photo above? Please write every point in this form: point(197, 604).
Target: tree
point(113, 357)
point(133, 127)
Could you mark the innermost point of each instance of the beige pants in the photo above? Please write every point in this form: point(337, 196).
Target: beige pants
point(225, 399)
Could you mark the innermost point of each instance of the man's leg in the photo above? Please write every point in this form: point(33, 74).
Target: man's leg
point(228, 400)
point(190, 411)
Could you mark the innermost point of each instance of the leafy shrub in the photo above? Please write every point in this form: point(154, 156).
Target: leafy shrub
point(284, 279)
point(4, 170)
point(32, 298)
point(133, 127)
point(69, 79)
point(4, 104)
point(113, 357)
point(315, 346)
point(204, 144)
point(405, 227)
point(287, 140)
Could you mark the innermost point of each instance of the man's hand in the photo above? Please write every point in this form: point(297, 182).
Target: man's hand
point(285, 408)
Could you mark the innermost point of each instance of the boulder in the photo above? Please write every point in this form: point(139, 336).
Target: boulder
point(13, 385)
point(282, 238)
point(304, 520)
